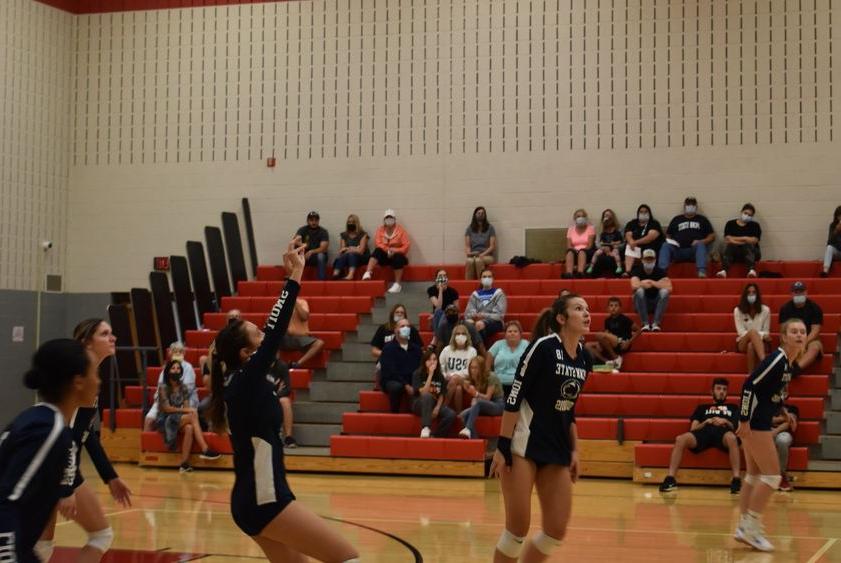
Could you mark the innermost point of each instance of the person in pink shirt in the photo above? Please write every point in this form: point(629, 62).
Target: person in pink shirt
point(392, 246)
point(580, 237)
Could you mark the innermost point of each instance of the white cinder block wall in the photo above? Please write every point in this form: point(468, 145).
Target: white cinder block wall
point(529, 107)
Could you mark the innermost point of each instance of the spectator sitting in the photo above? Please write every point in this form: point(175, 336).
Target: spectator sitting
point(454, 360)
point(784, 425)
point(641, 233)
point(279, 377)
point(580, 237)
point(619, 332)
point(610, 242)
point(175, 413)
point(233, 315)
point(386, 331)
point(298, 338)
point(399, 360)
point(441, 295)
point(753, 325)
point(316, 240)
point(688, 236)
point(353, 249)
point(479, 244)
point(833, 242)
point(392, 246)
point(485, 392)
point(803, 308)
point(713, 425)
point(652, 288)
point(741, 237)
point(505, 354)
point(486, 307)
point(430, 390)
point(451, 320)
point(188, 380)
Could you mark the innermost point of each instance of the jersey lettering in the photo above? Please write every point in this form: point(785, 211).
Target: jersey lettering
point(515, 390)
point(70, 469)
point(7, 547)
point(570, 371)
point(457, 364)
point(275, 313)
point(719, 410)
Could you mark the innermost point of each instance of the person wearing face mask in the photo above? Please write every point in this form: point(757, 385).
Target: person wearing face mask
point(441, 295)
point(803, 308)
point(712, 425)
point(580, 237)
point(753, 325)
point(448, 323)
point(353, 249)
point(652, 288)
point(479, 244)
point(486, 307)
point(455, 359)
point(610, 243)
point(316, 240)
point(175, 413)
point(430, 392)
point(741, 237)
point(641, 233)
point(399, 360)
point(392, 247)
point(385, 332)
point(688, 236)
point(833, 242)
point(188, 378)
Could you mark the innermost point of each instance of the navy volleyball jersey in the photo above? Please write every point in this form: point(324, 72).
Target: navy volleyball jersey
point(37, 468)
point(762, 390)
point(85, 434)
point(546, 386)
point(255, 421)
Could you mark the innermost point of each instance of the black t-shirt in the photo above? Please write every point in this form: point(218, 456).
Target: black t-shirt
point(437, 386)
point(733, 229)
point(684, 230)
point(620, 326)
point(810, 313)
point(638, 231)
point(353, 241)
point(450, 295)
point(383, 336)
point(712, 410)
point(656, 274)
point(609, 238)
point(313, 237)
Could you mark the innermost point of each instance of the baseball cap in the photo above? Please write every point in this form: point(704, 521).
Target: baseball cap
point(313, 215)
point(649, 253)
point(389, 213)
point(798, 286)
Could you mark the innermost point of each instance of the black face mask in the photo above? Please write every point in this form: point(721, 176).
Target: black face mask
point(351, 227)
point(175, 377)
point(452, 319)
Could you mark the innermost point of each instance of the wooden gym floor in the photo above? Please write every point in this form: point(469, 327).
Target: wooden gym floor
point(394, 519)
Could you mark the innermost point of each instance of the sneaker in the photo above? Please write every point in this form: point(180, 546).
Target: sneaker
point(185, 468)
point(669, 484)
point(721, 274)
point(753, 534)
point(589, 269)
point(646, 328)
point(785, 485)
point(824, 274)
point(294, 365)
point(465, 433)
point(752, 273)
point(289, 442)
point(655, 327)
point(617, 363)
point(735, 486)
point(367, 275)
point(702, 274)
point(619, 270)
point(425, 432)
point(210, 454)
point(395, 288)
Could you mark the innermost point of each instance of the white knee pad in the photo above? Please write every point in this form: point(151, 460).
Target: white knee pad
point(510, 545)
point(749, 479)
point(772, 481)
point(545, 544)
point(101, 540)
point(44, 549)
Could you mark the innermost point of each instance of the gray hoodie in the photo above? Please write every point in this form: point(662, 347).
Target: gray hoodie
point(492, 302)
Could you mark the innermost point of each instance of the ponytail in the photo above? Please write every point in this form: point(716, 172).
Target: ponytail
point(547, 321)
point(224, 359)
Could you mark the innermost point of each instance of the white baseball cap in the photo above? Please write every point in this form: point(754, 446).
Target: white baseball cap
point(389, 213)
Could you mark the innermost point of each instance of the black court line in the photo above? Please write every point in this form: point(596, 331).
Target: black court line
point(415, 553)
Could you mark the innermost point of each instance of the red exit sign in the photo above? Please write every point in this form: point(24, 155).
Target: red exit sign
point(161, 263)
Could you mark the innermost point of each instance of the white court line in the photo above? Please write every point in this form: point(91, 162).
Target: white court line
point(822, 550)
point(118, 513)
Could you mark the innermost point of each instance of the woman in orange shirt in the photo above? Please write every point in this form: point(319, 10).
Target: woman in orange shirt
point(392, 246)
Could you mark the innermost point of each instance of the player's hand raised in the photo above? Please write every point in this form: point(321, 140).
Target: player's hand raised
point(293, 261)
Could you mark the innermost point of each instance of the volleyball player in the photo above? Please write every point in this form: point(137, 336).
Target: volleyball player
point(537, 442)
point(37, 452)
point(245, 401)
point(761, 397)
point(99, 341)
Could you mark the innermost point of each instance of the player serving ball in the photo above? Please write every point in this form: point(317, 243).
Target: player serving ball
point(538, 439)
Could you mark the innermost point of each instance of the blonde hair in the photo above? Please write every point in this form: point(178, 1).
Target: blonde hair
point(581, 210)
point(481, 383)
point(355, 218)
point(460, 329)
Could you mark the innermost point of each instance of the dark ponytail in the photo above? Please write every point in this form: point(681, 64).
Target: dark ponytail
point(54, 366)
point(85, 330)
point(547, 321)
point(224, 358)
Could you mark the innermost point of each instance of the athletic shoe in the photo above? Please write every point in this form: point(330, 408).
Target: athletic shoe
point(210, 454)
point(465, 433)
point(702, 274)
point(785, 485)
point(668, 485)
point(617, 363)
point(721, 274)
point(366, 276)
point(655, 327)
point(589, 269)
point(425, 432)
point(294, 365)
point(289, 442)
point(824, 274)
point(739, 534)
point(185, 468)
point(735, 486)
point(646, 328)
point(395, 288)
point(753, 534)
point(619, 270)
point(752, 273)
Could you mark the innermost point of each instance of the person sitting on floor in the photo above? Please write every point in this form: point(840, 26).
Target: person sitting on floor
point(833, 243)
point(484, 390)
point(784, 425)
point(610, 243)
point(712, 425)
point(803, 308)
point(479, 244)
point(444, 333)
point(753, 325)
point(398, 362)
point(353, 249)
point(741, 237)
point(652, 288)
point(279, 376)
point(298, 338)
point(455, 359)
point(486, 307)
point(430, 390)
point(316, 240)
point(619, 332)
point(392, 248)
point(688, 236)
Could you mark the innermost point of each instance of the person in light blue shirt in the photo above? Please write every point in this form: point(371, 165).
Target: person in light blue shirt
point(505, 354)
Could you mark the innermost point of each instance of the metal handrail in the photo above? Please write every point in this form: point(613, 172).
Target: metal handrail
point(116, 379)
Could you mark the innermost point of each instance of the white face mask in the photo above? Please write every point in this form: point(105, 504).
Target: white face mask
point(397, 318)
point(405, 332)
point(390, 222)
point(487, 282)
point(690, 209)
point(580, 221)
point(799, 299)
point(461, 339)
point(648, 267)
point(751, 299)
point(747, 218)
point(643, 217)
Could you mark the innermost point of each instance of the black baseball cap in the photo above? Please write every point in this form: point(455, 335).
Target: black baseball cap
point(798, 286)
point(313, 215)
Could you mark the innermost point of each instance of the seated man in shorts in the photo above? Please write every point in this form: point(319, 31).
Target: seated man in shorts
point(619, 332)
point(298, 337)
point(279, 375)
point(713, 425)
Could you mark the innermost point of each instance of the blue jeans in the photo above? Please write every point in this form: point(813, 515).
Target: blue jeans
point(349, 260)
point(482, 406)
point(644, 305)
point(437, 317)
point(423, 407)
point(670, 253)
point(319, 261)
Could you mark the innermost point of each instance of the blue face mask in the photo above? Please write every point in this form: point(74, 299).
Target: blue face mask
point(405, 332)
